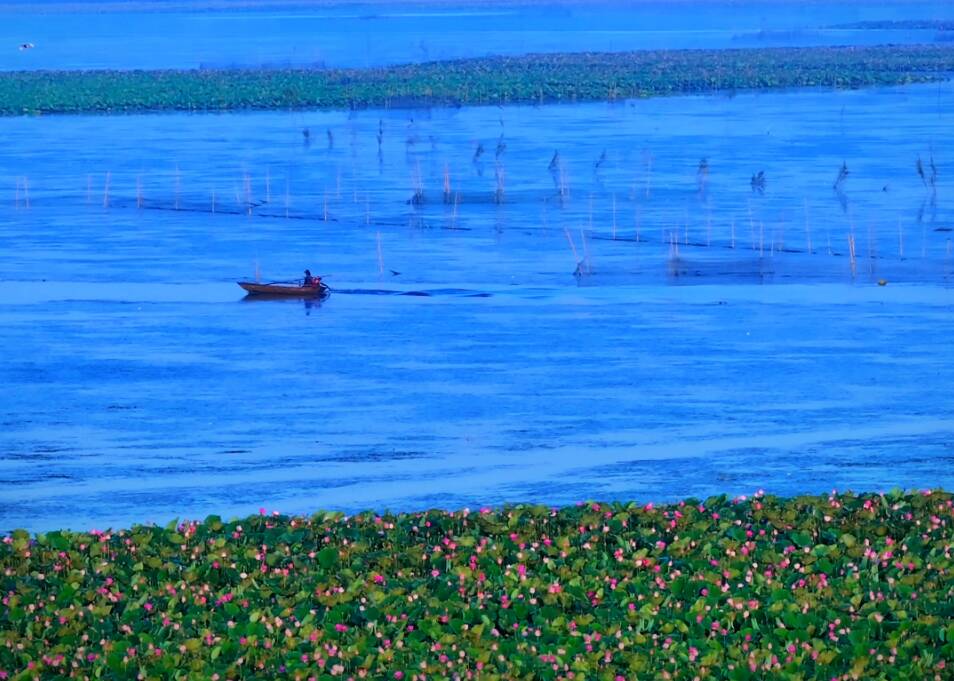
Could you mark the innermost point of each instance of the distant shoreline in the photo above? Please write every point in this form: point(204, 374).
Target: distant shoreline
point(102, 6)
point(528, 79)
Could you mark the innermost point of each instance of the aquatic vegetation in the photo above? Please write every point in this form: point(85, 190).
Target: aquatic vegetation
point(841, 586)
point(902, 24)
point(535, 78)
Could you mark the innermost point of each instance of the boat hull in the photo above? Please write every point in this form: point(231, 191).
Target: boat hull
point(283, 290)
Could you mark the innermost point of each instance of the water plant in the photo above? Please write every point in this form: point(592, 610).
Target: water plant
point(534, 78)
point(839, 586)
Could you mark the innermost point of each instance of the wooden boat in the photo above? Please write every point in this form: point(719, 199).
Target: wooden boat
point(286, 290)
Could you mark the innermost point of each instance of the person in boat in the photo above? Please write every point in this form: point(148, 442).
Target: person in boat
point(311, 281)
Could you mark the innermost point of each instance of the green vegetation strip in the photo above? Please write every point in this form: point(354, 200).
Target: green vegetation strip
point(834, 587)
point(525, 79)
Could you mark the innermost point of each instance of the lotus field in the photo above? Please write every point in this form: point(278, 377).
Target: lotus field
point(492, 80)
point(836, 587)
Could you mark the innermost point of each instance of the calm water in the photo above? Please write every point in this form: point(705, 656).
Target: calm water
point(373, 34)
point(718, 338)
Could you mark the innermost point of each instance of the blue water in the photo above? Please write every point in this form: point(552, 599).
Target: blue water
point(357, 34)
point(716, 338)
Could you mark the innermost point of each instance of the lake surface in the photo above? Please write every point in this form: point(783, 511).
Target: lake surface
point(374, 34)
point(582, 301)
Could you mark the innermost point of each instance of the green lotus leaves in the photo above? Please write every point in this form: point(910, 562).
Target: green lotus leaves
point(840, 586)
point(491, 80)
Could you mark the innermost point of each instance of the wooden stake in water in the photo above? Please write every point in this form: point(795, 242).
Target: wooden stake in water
point(268, 184)
point(106, 190)
point(732, 233)
point(649, 173)
point(324, 208)
point(178, 190)
point(26, 192)
point(380, 254)
point(851, 252)
point(89, 188)
point(900, 240)
point(614, 217)
point(808, 229)
point(576, 257)
point(586, 253)
point(564, 185)
point(16, 196)
point(138, 191)
point(248, 193)
point(287, 197)
point(213, 201)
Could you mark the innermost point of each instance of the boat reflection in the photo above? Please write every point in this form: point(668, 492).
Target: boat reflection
point(309, 304)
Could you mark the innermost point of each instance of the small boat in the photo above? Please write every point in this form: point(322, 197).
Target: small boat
point(285, 289)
